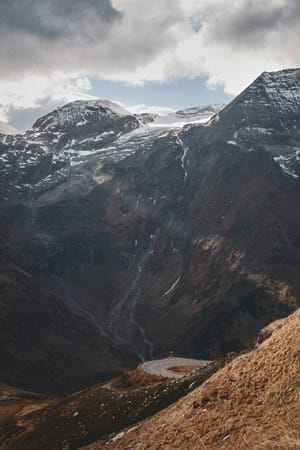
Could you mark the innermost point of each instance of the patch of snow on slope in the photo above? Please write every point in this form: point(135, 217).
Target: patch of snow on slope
point(171, 288)
point(178, 119)
point(284, 163)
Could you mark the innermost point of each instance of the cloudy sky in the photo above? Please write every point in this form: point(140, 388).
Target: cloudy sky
point(145, 54)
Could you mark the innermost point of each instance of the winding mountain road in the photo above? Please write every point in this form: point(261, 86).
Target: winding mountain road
point(161, 367)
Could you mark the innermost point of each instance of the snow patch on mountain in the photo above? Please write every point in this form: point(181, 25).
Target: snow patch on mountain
point(195, 115)
point(290, 164)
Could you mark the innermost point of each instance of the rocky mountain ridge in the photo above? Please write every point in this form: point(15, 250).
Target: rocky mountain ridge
point(266, 113)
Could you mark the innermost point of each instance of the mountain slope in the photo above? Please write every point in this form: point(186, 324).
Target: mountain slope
point(266, 114)
point(43, 341)
point(253, 402)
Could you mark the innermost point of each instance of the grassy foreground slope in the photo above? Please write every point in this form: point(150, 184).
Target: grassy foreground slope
point(253, 402)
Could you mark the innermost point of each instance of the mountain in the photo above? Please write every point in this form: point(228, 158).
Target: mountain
point(266, 114)
point(253, 402)
point(5, 128)
point(182, 238)
point(46, 157)
point(89, 114)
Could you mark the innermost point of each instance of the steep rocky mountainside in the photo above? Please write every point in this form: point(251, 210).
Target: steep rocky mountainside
point(162, 238)
point(253, 402)
point(267, 114)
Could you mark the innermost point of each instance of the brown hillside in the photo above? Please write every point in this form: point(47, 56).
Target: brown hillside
point(252, 403)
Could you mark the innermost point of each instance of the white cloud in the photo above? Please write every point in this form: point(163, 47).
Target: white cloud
point(235, 42)
point(33, 92)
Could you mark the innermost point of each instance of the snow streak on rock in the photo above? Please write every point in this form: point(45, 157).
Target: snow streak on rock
point(171, 288)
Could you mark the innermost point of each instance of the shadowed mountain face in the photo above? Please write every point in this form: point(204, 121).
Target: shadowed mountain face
point(44, 344)
point(150, 237)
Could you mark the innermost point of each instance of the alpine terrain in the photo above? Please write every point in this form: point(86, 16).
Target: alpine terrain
point(125, 237)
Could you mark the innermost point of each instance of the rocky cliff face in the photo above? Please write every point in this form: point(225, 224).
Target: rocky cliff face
point(163, 238)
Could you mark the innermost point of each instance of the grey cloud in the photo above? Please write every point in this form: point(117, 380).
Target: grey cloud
point(91, 36)
point(53, 19)
point(253, 21)
point(42, 35)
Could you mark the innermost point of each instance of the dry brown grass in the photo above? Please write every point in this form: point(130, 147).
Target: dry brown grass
point(252, 403)
point(15, 403)
point(133, 379)
point(8, 411)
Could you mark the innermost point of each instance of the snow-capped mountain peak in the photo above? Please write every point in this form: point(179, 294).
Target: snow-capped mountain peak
point(266, 115)
point(80, 113)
